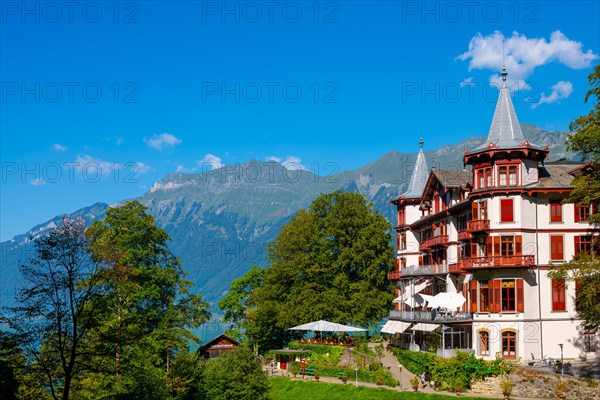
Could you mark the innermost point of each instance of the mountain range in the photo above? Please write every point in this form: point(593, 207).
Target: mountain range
point(220, 221)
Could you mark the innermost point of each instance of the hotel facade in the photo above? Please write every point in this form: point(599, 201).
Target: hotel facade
point(490, 233)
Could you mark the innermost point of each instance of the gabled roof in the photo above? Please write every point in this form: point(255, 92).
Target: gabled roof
point(419, 176)
point(217, 340)
point(454, 177)
point(554, 176)
point(449, 178)
point(505, 131)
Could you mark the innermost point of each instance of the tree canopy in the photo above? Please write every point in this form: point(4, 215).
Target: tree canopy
point(584, 269)
point(329, 262)
point(103, 313)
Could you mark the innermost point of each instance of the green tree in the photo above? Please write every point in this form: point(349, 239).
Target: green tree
point(585, 268)
point(586, 142)
point(150, 310)
point(235, 375)
point(329, 262)
point(56, 308)
point(240, 309)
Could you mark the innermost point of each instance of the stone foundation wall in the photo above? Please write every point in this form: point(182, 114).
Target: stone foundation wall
point(536, 385)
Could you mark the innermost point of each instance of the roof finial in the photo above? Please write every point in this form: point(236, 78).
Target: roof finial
point(504, 73)
point(421, 143)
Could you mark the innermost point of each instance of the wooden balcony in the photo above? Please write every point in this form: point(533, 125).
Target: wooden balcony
point(480, 225)
point(464, 235)
point(455, 268)
point(441, 240)
point(422, 270)
point(394, 275)
point(431, 316)
point(496, 262)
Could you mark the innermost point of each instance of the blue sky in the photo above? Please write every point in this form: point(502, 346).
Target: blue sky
point(102, 99)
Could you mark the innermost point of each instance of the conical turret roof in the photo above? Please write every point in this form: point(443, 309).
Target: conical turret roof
point(419, 175)
point(505, 131)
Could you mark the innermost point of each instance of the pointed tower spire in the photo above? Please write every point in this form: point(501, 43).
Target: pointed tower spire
point(419, 175)
point(505, 131)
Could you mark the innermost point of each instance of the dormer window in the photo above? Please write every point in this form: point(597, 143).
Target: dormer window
point(507, 175)
point(503, 178)
point(512, 175)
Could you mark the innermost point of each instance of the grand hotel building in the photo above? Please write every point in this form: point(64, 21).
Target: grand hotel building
point(491, 233)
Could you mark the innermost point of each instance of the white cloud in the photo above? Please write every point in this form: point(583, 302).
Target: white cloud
point(291, 163)
point(142, 168)
point(38, 182)
point(467, 82)
point(523, 55)
point(92, 169)
point(560, 90)
point(59, 147)
point(162, 141)
point(211, 161)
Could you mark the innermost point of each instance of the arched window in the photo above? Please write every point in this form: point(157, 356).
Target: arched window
point(509, 344)
point(484, 343)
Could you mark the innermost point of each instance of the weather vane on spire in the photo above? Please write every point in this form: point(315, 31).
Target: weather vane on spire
point(504, 73)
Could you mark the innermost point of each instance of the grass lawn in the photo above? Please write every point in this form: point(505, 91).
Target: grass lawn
point(284, 389)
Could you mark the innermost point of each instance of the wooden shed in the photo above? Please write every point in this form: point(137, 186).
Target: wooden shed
point(217, 346)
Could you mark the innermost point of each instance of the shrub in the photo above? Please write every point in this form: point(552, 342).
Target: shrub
point(295, 368)
point(413, 361)
point(507, 387)
point(363, 375)
point(320, 352)
point(453, 373)
point(414, 382)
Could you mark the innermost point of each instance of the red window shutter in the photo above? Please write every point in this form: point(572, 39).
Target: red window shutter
point(520, 296)
point(577, 245)
point(556, 248)
point(495, 292)
point(489, 247)
point(473, 286)
point(506, 210)
point(465, 293)
point(518, 245)
point(576, 208)
point(496, 246)
point(577, 283)
point(555, 211)
point(558, 295)
point(474, 214)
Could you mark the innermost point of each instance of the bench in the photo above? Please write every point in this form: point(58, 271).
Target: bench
point(308, 371)
point(341, 374)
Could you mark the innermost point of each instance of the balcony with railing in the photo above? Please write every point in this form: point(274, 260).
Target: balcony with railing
point(464, 235)
point(418, 270)
point(394, 275)
point(455, 268)
point(431, 316)
point(518, 261)
point(441, 240)
point(480, 225)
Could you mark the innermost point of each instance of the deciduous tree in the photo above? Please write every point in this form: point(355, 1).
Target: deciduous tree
point(56, 307)
point(329, 262)
point(584, 269)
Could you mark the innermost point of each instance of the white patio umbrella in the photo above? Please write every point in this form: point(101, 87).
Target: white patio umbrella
point(427, 298)
point(417, 300)
point(326, 326)
point(449, 300)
